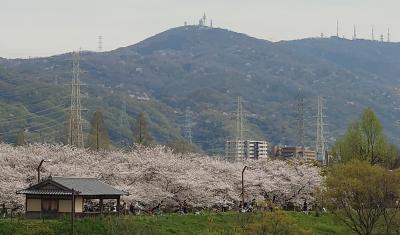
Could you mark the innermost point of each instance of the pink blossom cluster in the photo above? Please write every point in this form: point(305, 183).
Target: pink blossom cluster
point(156, 175)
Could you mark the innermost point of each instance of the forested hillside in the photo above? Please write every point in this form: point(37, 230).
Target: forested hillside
point(206, 69)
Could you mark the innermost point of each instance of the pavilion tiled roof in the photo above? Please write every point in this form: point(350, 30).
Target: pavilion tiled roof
point(64, 185)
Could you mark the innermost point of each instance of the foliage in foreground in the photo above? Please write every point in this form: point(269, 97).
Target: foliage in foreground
point(286, 223)
point(366, 141)
point(364, 197)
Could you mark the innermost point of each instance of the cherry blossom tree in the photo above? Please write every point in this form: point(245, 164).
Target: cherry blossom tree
point(157, 177)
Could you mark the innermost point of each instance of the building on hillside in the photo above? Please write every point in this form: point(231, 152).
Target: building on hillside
point(58, 196)
point(246, 149)
point(287, 152)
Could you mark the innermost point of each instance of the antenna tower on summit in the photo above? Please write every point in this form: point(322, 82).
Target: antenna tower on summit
point(337, 28)
point(188, 125)
point(355, 33)
point(320, 142)
point(75, 135)
point(373, 34)
point(100, 46)
point(388, 35)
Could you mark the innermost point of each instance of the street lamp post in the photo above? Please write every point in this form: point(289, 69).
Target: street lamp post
point(243, 187)
point(38, 168)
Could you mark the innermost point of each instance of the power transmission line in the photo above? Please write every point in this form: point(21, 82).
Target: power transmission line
point(33, 126)
point(33, 115)
point(47, 122)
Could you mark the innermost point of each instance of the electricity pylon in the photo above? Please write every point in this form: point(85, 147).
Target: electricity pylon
point(75, 137)
point(123, 117)
point(300, 120)
point(320, 142)
point(239, 119)
point(188, 125)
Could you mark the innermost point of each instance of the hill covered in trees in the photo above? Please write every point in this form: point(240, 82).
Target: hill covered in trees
point(206, 69)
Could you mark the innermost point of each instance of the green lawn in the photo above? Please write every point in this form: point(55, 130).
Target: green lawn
point(221, 223)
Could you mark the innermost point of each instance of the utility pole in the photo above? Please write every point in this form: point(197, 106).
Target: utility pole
point(320, 142)
point(300, 120)
point(244, 168)
point(72, 211)
point(188, 125)
point(75, 122)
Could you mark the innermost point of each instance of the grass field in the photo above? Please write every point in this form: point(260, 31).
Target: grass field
point(219, 223)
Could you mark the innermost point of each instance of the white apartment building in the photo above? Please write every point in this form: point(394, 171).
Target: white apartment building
point(246, 149)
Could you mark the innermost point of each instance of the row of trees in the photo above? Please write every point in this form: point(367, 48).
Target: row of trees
point(98, 136)
point(362, 188)
point(366, 141)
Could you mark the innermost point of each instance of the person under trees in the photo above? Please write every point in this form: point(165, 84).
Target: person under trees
point(98, 137)
point(141, 135)
point(365, 140)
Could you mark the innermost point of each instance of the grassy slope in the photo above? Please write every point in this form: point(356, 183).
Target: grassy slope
point(166, 224)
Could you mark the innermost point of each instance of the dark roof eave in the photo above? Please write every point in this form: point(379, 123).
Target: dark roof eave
point(105, 194)
point(67, 193)
point(85, 186)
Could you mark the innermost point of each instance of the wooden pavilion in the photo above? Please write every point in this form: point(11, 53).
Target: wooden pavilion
point(61, 196)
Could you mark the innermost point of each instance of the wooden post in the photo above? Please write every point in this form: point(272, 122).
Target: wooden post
point(72, 212)
point(41, 207)
point(26, 206)
point(101, 206)
point(118, 205)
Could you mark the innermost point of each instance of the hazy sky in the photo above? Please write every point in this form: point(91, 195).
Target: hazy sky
point(47, 27)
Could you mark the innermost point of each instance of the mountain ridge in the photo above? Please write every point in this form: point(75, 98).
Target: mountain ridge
point(206, 69)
